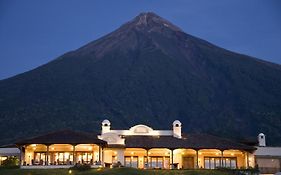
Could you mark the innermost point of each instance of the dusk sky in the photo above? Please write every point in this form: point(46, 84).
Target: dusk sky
point(35, 32)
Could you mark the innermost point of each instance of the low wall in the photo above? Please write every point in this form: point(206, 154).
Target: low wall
point(53, 166)
point(45, 167)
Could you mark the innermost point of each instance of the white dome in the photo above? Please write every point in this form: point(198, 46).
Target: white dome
point(105, 122)
point(176, 123)
point(261, 134)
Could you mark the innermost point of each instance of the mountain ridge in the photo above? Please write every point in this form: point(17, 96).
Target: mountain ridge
point(146, 72)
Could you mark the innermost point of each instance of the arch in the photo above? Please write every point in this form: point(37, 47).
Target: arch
point(141, 129)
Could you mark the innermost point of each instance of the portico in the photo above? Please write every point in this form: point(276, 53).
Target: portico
point(62, 148)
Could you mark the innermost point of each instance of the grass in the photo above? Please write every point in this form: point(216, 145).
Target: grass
point(105, 171)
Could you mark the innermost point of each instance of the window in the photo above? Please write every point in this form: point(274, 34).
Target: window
point(62, 158)
point(39, 158)
point(131, 161)
point(85, 157)
point(230, 163)
point(214, 162)
point(157, 162)
point(127, 161)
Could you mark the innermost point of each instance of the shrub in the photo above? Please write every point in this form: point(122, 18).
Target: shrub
point(117, 165)
point(11, 162)
point(81, 167)
point(241, 171)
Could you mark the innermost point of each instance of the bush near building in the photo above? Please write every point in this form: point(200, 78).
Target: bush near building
point(10, 163)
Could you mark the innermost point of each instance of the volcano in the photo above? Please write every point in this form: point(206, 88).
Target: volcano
point(147, 71)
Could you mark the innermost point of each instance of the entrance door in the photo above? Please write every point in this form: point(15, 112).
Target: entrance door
point(188, 162)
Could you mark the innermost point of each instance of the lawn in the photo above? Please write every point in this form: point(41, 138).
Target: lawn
point(116, 171)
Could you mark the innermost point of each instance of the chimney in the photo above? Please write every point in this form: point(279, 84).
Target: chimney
point(177, 129)
point(261, 139)
point(105, 126)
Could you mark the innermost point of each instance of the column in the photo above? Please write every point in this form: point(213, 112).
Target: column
point(172, 154)
point(102, 156)
point(147, 162)
point(247, 154)
point(47, 156)
point(99, 153)
point(197, 159)
point(74, 155)
point(222, 164)
point(93, 155)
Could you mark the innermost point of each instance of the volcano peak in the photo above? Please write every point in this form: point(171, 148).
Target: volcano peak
point(152, 20)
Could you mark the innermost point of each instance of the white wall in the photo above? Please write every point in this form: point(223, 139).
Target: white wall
point(268, 151)
point(114, 136)
point(120, 156)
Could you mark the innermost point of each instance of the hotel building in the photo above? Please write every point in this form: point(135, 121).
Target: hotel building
point(140, 147)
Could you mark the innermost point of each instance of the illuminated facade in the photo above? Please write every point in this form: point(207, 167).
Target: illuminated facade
point(143, 147)
point(138, 147)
